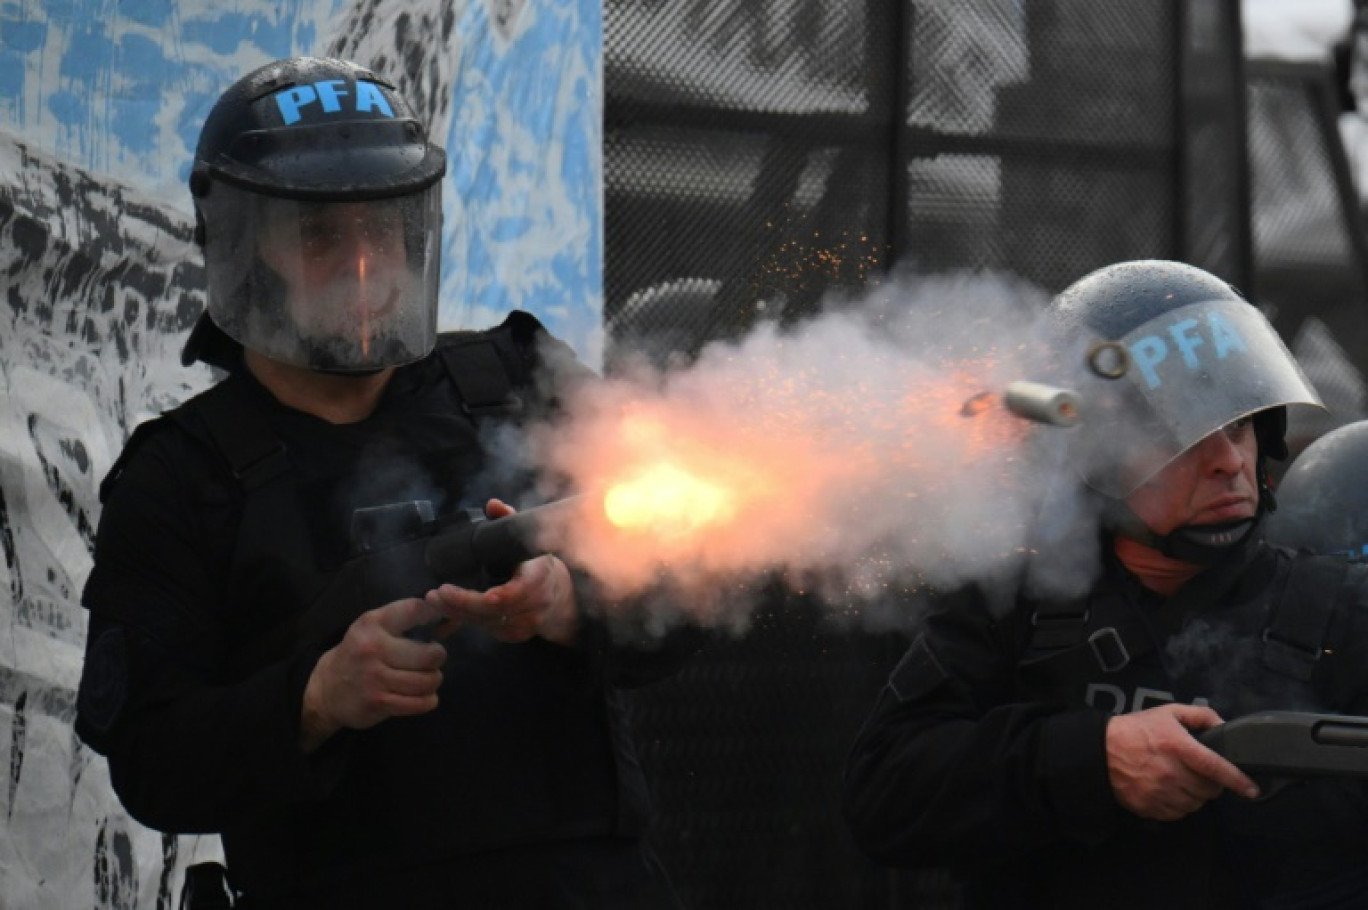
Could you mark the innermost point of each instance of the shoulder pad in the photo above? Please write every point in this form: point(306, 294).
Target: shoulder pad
point(186, 415)
point(523, 326)
point(141, 434)
point(488, 365)
point(519, 327)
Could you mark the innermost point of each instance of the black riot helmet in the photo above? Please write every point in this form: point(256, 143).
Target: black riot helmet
point(1323, 496)
point(1168, 354)
point(318, 205)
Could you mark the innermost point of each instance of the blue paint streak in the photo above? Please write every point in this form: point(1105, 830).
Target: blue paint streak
point(69, 108)
point(11, 80)
point(154, 13)
point(568, 271)
point(16, 40)
point(144, 68)
point(509, 229)
point(305, 39)
point(89, 57)
point(147, 71)
point(280, 36)
point(276, 38)
point(222, 36)
point(63, 10)
point(478, 261)
point(22, 37)
point(577, 168)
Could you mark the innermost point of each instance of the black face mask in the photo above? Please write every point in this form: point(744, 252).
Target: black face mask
point(1208, 545)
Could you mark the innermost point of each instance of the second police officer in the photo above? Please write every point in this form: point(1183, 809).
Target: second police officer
point(1046, 750)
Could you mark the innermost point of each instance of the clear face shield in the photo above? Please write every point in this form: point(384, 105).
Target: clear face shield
point(1150, 396)
point(334, 286)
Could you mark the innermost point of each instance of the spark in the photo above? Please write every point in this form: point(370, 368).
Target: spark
point(365, 311)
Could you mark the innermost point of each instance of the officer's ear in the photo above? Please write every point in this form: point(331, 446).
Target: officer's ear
point(103, 689)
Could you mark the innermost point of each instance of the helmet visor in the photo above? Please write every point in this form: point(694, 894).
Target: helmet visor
point(1190, 372)
point(339, 286)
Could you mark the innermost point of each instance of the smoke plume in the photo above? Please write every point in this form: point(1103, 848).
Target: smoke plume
point(863, 454)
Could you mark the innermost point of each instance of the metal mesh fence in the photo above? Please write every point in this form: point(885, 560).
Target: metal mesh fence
point(1308, 237)
point(1048, 139)
point(746, 748)
point(1052, 118)
point(1214, 176)
point(746, 161)
point(758, 155)
point(748, 167)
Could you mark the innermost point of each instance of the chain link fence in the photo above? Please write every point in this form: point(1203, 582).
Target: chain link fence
point(1311, 273)
point(760, 155)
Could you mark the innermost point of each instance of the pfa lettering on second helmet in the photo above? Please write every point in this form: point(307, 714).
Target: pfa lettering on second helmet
point(1167, 354)
point(318, 205)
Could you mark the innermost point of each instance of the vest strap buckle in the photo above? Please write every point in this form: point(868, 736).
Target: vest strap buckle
point(1052, 631)
point(1109, 649)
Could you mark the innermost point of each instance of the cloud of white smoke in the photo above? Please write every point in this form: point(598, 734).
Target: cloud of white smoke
point(864, 454)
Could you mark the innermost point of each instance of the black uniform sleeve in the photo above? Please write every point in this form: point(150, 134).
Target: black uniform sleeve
point(952, 767)
point(187, 751)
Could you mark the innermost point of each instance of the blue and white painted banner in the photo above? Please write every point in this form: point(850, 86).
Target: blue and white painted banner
point(101, 102)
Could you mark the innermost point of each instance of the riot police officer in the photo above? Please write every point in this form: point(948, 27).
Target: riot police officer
point(1045, 751)
point(372, 767)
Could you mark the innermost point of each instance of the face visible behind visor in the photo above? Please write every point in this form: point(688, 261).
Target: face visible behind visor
point(341, 286)
point(1168, 354)
point(319, 209)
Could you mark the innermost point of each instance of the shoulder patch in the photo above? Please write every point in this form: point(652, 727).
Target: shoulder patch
point(104, 681)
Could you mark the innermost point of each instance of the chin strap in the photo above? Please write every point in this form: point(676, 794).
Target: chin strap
point(369, 371)
point(1200, 545)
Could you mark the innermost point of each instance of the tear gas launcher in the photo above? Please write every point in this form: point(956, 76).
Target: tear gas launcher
point(1285, 745)
point(401, 550)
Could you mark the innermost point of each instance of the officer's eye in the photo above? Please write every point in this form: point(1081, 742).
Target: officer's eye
point(316, 232)
point(1237, 429)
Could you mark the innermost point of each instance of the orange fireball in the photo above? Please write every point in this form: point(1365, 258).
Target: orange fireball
point(668, 501)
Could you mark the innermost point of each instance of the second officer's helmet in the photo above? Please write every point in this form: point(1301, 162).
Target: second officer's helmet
point(1167, 353)
point(318, 204)
point(1323, 496)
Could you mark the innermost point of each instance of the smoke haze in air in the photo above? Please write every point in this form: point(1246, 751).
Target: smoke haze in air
point(854, 453)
